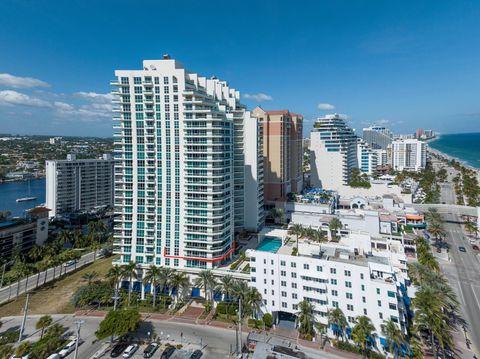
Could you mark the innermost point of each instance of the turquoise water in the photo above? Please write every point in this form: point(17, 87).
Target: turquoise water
point(463, 146)
point(10, 191)
point(270, 244)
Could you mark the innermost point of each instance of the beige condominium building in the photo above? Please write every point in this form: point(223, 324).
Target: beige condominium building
point(282, 153)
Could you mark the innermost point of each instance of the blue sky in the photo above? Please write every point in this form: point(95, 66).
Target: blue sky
point(405, 64)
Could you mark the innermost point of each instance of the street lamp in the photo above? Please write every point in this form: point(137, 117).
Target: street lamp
point(79, 325)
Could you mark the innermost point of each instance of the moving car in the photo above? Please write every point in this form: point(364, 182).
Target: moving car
point(67, 349)
point(167, 353)
point(462, 249)
point(131, 349)
point(197, 354)
point(150, 350)
point(475, 247)
point(69, 263)
point(118, 349)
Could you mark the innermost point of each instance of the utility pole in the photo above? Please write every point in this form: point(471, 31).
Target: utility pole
point(25, 310)
point(79, 325)
point(115, 298)
point(3, 274)
point(240, 322)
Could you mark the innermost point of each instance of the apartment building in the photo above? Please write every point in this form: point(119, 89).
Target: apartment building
point(282, 153)
point(183, 169)
point(333, 152)
point(367, 158)
point(350, 275)
point(408, 155)
point(79, 184)
point(378, 137)
point(20, 235)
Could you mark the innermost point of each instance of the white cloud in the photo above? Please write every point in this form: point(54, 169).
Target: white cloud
point(12, 98)
point(258, 97)
point(94, 96)
point(326, 106)
point(63, 106)
point(8, 80)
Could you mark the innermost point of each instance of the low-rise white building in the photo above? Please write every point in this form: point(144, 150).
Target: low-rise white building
point(350, 275)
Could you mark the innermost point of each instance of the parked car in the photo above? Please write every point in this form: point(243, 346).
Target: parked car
point(130, 350)
point(67, 349)
point(150, 350)
point(462, 249)
point(118, 349)
point(475, 247)
point(197, 354)
point(167, 353)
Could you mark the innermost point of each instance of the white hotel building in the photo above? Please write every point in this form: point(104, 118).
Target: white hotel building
point(78, 184)
point(183, 167)
point(350, 275)
point(333, 152)
point(408, 155)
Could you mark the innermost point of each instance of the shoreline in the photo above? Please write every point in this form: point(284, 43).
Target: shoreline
point(449, 158)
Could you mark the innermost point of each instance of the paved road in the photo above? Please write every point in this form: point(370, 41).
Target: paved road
point(11, 291)
point(214, 342)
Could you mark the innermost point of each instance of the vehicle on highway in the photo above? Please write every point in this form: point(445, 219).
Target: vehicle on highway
point(54, 356)
point(67, 349)
point(439, 250)
point(130, 350)
point(118, 349)
point(197, 354)
point(462, 249)
point(150, 350)
point(475, 247)
point(167, 353)
point(26, 356)
point(69, 263)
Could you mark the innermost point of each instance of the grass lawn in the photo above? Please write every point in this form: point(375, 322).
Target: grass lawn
point(54, 297)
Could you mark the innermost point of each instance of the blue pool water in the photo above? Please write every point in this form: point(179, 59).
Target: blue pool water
point(270, 244)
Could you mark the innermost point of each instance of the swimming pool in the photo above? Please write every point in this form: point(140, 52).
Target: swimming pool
point(270, 244)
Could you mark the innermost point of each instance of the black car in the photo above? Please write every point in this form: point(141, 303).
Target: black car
point(462, 249)
point(150, 350)
point(197, 354)
point(118, 350)
point(167, 353)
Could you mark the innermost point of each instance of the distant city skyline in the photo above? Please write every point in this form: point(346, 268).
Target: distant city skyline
point(404, 65)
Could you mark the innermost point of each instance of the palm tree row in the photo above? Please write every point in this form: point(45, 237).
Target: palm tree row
point(435, 303)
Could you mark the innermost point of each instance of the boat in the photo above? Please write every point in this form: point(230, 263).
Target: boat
point(26, 199)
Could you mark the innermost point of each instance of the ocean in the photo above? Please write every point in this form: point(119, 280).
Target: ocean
point(10, 191)
point(463, 146)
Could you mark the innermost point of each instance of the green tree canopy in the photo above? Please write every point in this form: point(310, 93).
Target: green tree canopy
point(118, 323)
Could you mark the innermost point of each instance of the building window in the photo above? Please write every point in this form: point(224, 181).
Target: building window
point(334, 293)
point(378, 290)
point(350, 307)
point(293, 265)
point(294, 296)
point(348, 284)
point(306, 266)
point(380, 315)
point(333, 271)
point(283, 273)
point(284, 294)
point(379, 302)
point(348, 273)
point(349, 295)
point(294, 275)
point(284, 304)
point(319, 269)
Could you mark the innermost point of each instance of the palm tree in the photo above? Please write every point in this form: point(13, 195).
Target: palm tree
point(164, 278)
point(130, 272)
point(278, 215)
point(36, 252)
point(471, 227)
point(334, 225)
point(432, 215)
point(240, 289)
point(89, 277)
point(394, 337)
point(418, 273)
point(207, 282)
point(253, 302)
point(23, 349)
point(43, 322)
point(429, 261)
point(180, 282)
point(437, 230)
point(152, 276)
point(115, 274)
point(362, 332)
point(225, 286)
point(306, 319)
point(296, 230)
point(337, 318)
point(64, 237)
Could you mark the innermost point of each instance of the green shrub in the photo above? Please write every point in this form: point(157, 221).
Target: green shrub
point(99, 292)
point(268, 320)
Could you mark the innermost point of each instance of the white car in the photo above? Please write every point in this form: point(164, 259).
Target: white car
point(67, 349)
point(131, 349)
point(26, 356)
point(69, 263)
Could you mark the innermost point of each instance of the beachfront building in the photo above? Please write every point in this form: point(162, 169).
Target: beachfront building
point(333, 152)
point(408, 155)
point(282, 153)
point(350, 275)
point(20, 235)
point(184, 173)
point(378, 137)
point(367, 158)
point(74, 185)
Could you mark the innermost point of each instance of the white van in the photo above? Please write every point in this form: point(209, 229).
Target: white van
point(54, 356)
